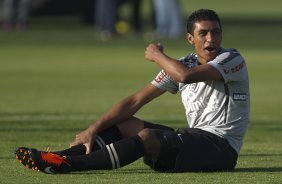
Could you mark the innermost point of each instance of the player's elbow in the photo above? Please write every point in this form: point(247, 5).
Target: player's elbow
point(183, 77)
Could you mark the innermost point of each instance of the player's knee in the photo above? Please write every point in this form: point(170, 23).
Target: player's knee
point(151, 142)
point(145, 134)
point(160, 145)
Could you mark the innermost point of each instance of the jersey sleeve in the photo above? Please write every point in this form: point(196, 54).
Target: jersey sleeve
point(231, 65)
point(165, 82)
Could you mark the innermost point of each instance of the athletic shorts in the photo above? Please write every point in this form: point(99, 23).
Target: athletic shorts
point(192, 150)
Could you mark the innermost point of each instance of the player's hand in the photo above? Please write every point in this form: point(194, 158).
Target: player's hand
point(153, 51)
point(86, 137)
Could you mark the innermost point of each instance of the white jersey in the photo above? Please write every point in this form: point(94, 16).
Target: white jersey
point(221, 107)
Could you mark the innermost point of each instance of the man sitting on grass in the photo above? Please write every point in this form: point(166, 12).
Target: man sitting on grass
point(214, 86)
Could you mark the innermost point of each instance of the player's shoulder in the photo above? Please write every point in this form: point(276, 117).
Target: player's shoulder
point(228, 56)
point(189, 60)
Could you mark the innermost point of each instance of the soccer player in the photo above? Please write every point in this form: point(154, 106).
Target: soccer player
point(214, 86)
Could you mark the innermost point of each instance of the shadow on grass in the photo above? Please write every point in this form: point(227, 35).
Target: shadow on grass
point(147, 171)
point(260, 155)
point(122, 171)
point(259, 169)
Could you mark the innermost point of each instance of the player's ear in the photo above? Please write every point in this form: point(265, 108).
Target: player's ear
point(190, 38)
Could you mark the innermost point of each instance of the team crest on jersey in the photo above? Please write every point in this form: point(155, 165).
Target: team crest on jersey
point(192, 86)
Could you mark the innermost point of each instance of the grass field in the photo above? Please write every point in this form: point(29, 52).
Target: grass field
point(55, 81)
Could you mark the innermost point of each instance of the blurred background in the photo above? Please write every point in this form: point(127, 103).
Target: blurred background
point(70, 57)
point(63, 63)
point(66, 56)
point(108, 17)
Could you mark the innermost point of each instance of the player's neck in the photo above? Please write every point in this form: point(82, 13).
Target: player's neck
point(202, 61)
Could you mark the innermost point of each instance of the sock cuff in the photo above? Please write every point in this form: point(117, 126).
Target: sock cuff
point(108, 136)
point(125, 151)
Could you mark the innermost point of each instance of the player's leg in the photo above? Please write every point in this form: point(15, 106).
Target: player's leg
point(152, 142)
point(204, 151)
point(169, 146)
point(149, 160)
point(125, 148)
point(112, 134)
point(115, 133)
point(105, 137)
point(161, 145)
point(128, 128)
point(192, 149)
point(147, 142)
point(111, 156)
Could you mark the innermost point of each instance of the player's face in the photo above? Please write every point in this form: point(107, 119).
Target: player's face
point(207, 40)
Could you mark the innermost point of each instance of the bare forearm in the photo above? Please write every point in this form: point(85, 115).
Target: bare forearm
point(117, 113)
point(181, 73)
point(126, 108)
point(172, 67)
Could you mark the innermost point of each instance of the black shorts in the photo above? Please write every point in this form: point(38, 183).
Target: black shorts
point(193, 150)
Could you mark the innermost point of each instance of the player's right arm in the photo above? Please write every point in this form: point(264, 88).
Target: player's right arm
point(118, 113)
point(126, 108)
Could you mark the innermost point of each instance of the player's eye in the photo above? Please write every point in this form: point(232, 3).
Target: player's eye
point(216, 32)
point(203, 33)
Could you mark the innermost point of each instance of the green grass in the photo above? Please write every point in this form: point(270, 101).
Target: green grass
point(54, 82)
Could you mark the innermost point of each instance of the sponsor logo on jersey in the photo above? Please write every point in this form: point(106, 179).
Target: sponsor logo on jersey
point(194, 106)
point(234, 69)
point(239, 96)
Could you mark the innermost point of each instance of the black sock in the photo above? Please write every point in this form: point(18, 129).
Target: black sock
point(107, 136)
point(72, 151)
point(112, 156)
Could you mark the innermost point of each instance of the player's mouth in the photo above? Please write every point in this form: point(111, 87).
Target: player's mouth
point(211, 52)
point(211, 49)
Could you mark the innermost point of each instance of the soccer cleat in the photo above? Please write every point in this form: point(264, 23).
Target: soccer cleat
point(23, 155)
point(46, 162)
point(49, 163)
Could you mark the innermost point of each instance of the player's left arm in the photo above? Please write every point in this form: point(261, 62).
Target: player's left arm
point(178, 71)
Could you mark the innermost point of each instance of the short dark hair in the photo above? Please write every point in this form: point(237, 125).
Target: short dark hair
point(199, 15)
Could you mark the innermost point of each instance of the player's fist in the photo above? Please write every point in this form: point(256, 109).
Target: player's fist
point(153, 51)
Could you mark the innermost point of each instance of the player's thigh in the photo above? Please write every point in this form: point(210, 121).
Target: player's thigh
point(131, 127)
point(204, 151)
point(170, 144)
